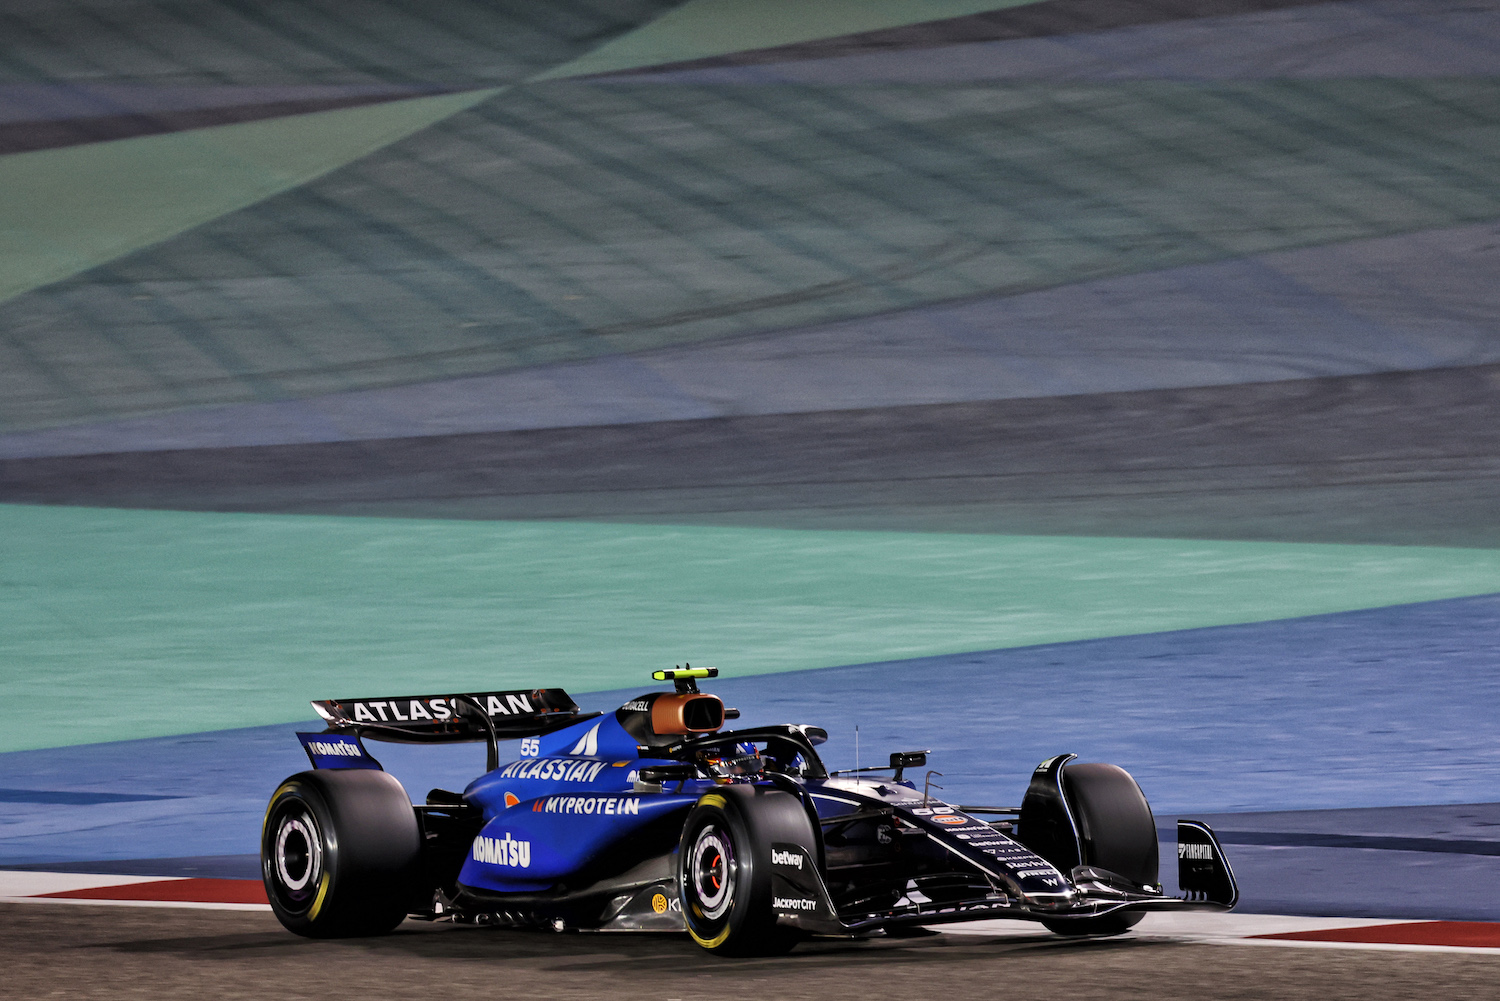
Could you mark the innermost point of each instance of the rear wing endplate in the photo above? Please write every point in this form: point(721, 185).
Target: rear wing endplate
point(337, 751)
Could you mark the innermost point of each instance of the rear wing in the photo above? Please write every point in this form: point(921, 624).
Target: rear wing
point(422, 719)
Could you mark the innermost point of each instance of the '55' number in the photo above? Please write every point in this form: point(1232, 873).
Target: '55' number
point(531, 747)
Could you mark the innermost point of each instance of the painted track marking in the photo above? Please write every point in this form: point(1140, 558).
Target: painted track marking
point(1278, 930)
point(185, 890)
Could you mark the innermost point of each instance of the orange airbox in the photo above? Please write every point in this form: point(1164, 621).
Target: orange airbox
point(686, 712)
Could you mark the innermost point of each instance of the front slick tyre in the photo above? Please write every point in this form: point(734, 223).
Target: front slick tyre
point(724, 869)
point(338, 853)
point(1109, 924)
point(1118, 833)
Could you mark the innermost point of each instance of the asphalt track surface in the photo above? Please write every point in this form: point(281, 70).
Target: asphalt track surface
point(113, 952)
point(1404, 458)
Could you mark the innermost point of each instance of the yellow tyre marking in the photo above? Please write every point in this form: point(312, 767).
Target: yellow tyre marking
point(317, 906)
point(274, 797)
point(712, 799)
point(709, 943)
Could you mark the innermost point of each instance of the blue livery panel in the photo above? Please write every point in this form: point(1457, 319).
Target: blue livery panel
point(555, 810)
point(536, 843)
point(595, 755)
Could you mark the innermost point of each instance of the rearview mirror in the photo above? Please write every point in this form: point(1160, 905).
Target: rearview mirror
point(902, 760)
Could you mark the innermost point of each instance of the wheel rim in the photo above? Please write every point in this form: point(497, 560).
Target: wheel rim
point(712, 871)
point(296, 861)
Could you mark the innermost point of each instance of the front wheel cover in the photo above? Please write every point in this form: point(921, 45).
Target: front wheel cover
point(715, 873)
point(724, 870)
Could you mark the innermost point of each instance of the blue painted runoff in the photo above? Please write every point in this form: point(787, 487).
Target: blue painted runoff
point(1379, 708)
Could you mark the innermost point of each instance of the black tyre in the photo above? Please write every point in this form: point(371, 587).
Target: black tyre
point(1118, 833)
point(339, 853)
point(724, 869)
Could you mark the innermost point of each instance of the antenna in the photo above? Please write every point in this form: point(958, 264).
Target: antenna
point(856, 747)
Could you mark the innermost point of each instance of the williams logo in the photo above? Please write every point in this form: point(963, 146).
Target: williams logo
point(588, 743)
point(1196, 852)
point(779, 857)
point(504, 851)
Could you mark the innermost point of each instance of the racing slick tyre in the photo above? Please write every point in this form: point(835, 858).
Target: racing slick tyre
point(339, 853)
point(724, 868)
point(1118, 833)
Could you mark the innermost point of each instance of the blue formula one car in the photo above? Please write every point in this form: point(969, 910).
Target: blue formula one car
point(655, 818)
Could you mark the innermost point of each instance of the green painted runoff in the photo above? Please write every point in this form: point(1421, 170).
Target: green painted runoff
point(118, 624)
point(66, 210)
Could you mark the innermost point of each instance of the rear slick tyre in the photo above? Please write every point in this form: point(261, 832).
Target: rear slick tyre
point(724, 869)
point(339, 853)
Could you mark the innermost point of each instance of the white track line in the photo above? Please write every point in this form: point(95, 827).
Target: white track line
point(1208, 928)
point(1209, 924)
point(1203, 924)
point(197, 905)
point(1472, 950)
point(17, 887)
point(31, 884)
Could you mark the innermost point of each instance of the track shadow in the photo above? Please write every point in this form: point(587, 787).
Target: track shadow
point(582, 953)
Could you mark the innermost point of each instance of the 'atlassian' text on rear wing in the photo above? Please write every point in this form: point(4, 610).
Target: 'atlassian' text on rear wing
point(440, 718)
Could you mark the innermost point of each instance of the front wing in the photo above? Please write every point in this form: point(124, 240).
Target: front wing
point(801, 899)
